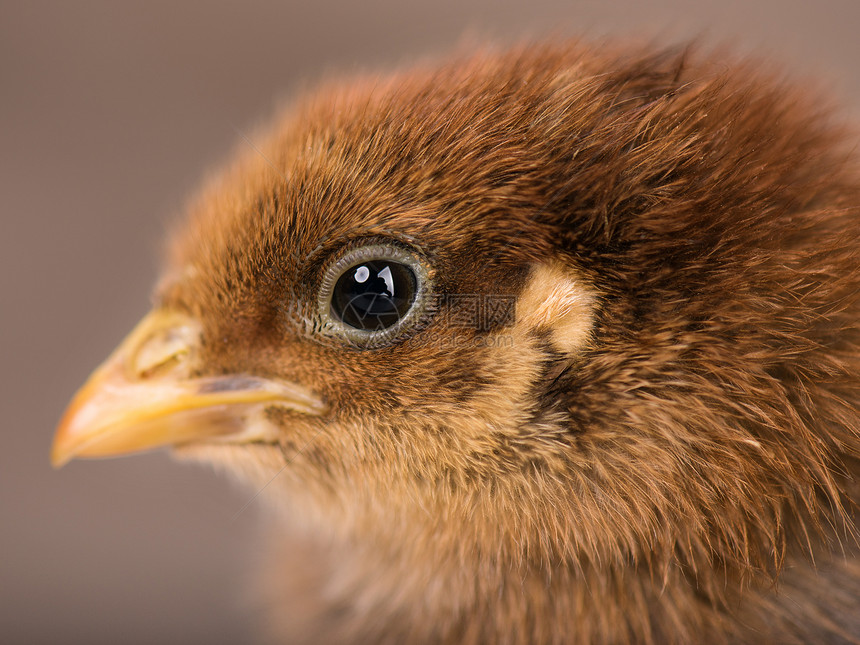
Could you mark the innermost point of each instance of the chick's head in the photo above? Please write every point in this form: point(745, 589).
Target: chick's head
point(553, 310)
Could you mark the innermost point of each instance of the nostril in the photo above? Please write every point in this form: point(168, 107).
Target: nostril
point(164, 350)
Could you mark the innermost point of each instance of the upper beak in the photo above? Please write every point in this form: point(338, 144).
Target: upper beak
point(146, 395)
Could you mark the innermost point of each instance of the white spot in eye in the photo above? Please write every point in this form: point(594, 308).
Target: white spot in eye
point(385, 274)
point(362, 273)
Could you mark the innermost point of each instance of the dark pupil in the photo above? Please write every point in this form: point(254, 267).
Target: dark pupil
point(373, 295)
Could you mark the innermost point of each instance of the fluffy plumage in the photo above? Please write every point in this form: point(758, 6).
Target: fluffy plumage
point(659, 444)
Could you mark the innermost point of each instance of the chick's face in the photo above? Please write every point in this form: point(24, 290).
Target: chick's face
point(364, 308)
point(418, 319)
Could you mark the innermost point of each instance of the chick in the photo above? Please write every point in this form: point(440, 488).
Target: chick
point(552, 345)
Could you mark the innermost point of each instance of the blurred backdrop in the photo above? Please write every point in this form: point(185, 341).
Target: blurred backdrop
point(110, 113)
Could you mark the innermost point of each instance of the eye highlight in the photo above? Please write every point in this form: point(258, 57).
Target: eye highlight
point(374, 293)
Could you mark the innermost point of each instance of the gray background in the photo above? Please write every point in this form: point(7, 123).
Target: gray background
point(110, 113)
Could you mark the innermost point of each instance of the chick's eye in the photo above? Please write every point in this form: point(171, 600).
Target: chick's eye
point(374, 295)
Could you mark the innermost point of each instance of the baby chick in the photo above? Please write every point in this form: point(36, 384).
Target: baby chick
point(553, 345)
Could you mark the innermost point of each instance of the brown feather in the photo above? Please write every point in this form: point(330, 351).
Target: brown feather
point(660, 447)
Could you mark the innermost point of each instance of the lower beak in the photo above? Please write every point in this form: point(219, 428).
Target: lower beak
point(144, 396)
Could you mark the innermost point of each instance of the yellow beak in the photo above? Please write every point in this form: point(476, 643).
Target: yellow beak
point(146, 396)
